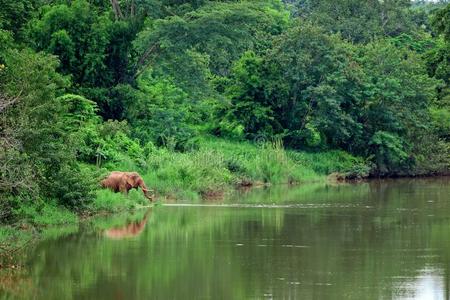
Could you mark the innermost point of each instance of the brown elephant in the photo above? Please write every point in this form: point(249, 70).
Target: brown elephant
point(124, 182)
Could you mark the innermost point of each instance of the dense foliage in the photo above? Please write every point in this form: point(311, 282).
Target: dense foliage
point(85, 83)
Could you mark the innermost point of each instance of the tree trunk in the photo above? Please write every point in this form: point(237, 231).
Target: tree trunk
point(116, 8)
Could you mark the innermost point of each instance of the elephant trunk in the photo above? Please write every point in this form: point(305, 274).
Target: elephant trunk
point(147, 193)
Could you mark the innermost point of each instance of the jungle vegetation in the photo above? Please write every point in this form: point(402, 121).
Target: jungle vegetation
point(199, 95)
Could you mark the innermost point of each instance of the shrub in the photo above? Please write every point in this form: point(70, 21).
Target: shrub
point(73, 186)
point(44, 213)
point(389, 151)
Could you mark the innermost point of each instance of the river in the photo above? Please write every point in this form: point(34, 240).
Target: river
point(387, 239)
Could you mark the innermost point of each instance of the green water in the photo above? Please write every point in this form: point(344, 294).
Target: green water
point(377, 240)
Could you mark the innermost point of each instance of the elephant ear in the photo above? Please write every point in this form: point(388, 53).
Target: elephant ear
point(132, 179)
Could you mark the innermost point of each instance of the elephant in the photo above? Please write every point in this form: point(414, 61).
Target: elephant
point(124, 182)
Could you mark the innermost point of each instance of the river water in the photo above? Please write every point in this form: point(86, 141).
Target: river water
point(375, 240)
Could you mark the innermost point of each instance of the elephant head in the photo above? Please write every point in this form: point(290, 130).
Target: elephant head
point(134, 180)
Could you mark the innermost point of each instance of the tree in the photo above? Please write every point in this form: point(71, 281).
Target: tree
point(38, 155)
point(222, 31)
point(92, 48)
point(319, 91)
point(14, 14)
point(310, 80)
point(249, 110)
point(358, 21)
point(160, 113)
point(438, 66)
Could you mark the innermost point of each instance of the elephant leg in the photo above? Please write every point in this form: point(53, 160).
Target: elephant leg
point(123, 188)
point(128, 187)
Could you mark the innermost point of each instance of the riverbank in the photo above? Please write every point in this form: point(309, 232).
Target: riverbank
point(213, 170)
point(218, 166)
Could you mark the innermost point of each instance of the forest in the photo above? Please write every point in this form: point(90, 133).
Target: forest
point(201, 96)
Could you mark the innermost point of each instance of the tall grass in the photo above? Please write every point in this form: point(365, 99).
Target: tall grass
point(108, 201)
point(329, 161)
point(272, 165)
point(188, 174)
point(218, 166)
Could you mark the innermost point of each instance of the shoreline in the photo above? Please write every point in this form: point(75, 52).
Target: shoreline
point(24, 237)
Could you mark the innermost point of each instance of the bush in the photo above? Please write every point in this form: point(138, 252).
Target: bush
point(389, 151)
point(161, 113)
point(44, 213)
point(73, 186)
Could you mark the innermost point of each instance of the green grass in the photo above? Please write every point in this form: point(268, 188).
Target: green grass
point(331, 161)
point(36, 218)
point(108, 201)
point(45, 214)
point(12, 239)
point(217, 166)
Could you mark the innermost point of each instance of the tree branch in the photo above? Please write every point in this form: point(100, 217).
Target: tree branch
point(6, 101)
point(141, 65)
point(116, 9)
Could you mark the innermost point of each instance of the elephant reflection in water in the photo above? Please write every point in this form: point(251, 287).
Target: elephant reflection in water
point(130, 230)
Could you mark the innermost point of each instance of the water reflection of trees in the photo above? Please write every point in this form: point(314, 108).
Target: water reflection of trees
point(374, 249)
